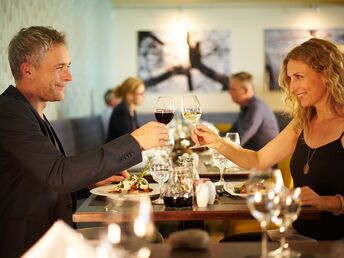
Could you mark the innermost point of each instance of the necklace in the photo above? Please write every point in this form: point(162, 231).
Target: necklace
point(309, 158)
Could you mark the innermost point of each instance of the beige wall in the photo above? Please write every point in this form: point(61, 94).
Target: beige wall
point(246, 24)
point(103, 43)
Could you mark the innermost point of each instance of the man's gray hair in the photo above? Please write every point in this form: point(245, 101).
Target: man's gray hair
point(30, 45)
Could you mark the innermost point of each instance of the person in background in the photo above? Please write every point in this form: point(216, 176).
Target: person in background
point(36, 177)
point(123, 118)
point(256, 123)
point(312, 78)
point(111, 101)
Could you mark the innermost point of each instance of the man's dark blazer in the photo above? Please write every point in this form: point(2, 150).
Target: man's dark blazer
point(36, 178)
point(121, 122)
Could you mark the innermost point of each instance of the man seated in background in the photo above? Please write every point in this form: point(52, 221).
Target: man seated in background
point(111, 101)
point(256, 123)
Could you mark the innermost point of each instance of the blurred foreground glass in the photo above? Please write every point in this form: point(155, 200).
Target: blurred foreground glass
point(130, 226)
point(287, 205)
point(262, 187)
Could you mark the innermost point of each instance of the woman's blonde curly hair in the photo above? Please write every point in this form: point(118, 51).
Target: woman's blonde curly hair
point(326, 58)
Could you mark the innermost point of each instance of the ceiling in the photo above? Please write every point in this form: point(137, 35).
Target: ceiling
point(128, 3)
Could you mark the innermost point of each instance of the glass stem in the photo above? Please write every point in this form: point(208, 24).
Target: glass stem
point(160, 188)
point(221, 174)
point(263, 226)
point(282, 230)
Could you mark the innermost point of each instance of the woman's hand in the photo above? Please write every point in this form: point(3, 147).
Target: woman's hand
point(204, 136)
point(323, 203)
point(311, 198)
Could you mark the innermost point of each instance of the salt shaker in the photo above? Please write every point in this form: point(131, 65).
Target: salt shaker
point(202, 195)
point(212, 192)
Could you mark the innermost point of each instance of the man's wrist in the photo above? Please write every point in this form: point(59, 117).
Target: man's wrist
point(341, 199)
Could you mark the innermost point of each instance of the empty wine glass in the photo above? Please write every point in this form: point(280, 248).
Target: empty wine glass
point(192, 111)
point(164, 109)
point(131, 225)
point(160, 172)
point(287, 205)
point(232, 137)
point(262, 187)
point(221, 162)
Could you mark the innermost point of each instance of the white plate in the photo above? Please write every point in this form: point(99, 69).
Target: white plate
point(229, 188)
point(106, 189)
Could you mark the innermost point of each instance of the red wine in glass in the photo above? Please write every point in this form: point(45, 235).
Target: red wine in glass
point(163, 116)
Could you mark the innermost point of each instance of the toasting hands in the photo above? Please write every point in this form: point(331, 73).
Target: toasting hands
point(204, 136)
point(150, 135)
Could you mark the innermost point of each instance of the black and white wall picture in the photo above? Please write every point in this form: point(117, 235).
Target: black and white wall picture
point(177, 62)
point(279, 42)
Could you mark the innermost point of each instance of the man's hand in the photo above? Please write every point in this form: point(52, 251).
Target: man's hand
point(112, 179)
point(151, 135)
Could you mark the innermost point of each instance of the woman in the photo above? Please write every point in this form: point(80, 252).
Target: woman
point(312, 78)
point(123, 118)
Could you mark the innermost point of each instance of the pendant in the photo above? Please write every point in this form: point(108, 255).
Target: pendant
point(306, 169)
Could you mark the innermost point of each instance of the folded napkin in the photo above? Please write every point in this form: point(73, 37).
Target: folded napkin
point(61, 241)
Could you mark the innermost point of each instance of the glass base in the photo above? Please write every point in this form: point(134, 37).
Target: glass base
point(284, 253)
point(158, 201)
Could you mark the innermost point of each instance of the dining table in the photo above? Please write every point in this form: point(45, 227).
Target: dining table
point(309, 249)
point(226, 206)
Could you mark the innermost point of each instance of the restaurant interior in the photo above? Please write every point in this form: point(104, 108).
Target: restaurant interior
point(103, 38)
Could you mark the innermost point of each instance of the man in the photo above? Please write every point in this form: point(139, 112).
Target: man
point(111, 101)
point(256, 123)
point(36, 177)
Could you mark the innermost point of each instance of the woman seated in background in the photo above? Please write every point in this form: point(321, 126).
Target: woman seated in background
point(312, 78)
point(123, 118)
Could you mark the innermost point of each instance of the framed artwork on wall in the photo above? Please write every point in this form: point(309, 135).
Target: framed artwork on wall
point(181, 62)
point(278, 42)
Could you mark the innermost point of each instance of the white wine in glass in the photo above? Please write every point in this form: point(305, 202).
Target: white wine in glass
point(191, 110)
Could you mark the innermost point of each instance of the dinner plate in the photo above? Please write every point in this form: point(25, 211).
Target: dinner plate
point(229, 188)
point(106, 191)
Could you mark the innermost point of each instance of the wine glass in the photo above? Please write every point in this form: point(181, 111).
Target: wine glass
point(160, 172)
point(131, 225)
point(232, 137)
point(262, 187)
point(287, 205)
point(221, 162)
point(191, 110)
point(164, 109)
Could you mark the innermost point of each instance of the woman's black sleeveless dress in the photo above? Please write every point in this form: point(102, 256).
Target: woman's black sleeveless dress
point(325, 177)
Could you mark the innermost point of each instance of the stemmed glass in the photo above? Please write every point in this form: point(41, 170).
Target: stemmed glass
point(232, 137)
point(164, 109)
point(191, 110)
point(287, 205)
point(262, 187)
point(221, 162)
point(160, 172)
point(131, 226)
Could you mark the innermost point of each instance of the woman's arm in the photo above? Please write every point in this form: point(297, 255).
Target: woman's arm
point(280, 147)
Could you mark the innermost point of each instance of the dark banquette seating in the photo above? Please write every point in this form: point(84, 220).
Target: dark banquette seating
point(80, 135)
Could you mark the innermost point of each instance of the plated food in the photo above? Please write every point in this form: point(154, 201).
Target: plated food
point(133, 184)
point(236, 188)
